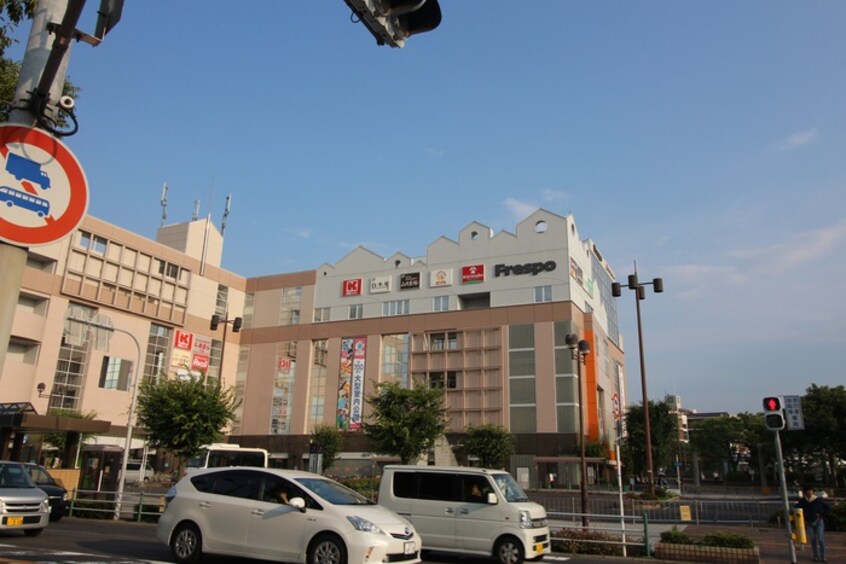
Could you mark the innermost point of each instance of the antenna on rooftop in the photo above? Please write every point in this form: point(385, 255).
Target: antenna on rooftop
point(225, 214)
point(196, 215)
point(164, 203)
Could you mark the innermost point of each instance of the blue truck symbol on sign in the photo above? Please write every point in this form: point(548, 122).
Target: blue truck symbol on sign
point(24, 169)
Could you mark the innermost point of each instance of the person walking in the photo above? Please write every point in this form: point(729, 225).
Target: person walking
point(813, 509)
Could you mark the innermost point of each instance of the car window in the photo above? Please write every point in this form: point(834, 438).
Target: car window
point(280, 490)
point(333, 492)
point(14, 476)
point(237, 484)
point(40, 476)
point(475, 489)
point(437, 485)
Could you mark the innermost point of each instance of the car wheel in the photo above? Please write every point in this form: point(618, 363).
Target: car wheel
point(186, 543)
point(33, 532)
point(509, 550)
point(327, 549)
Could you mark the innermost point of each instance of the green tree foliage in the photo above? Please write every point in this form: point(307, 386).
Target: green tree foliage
point(182, 415)
point(491, 444)
point(718, 440)
point(663, 427)
point(823, 443)
point(12, 13)
point(406, 422)
point(331, 441)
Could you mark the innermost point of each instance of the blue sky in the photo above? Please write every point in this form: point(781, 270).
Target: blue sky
point(704, 140)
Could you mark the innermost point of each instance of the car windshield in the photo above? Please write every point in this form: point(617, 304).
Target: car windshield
point(333, 492)
point(509, 488)
point(14, 476)
point(40, 476)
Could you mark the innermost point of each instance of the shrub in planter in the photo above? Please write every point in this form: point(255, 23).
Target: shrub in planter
point(92, 509)
point(675, 536)
point(578, 541)
point(149, 513)
point(727, 539)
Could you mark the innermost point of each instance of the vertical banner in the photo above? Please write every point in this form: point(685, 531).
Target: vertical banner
point(345, 384)
point(359, 350)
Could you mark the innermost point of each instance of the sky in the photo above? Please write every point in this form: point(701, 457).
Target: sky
point(704, 142)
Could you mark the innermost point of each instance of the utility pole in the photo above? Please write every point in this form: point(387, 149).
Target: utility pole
point(38, 49)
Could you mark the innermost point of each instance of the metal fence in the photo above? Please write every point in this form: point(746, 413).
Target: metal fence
point(136, 506)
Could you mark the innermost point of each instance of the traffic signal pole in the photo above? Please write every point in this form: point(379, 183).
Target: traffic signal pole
point(784, 498)
point(39, 44)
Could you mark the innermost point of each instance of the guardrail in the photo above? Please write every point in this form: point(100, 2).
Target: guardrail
point(135, 506)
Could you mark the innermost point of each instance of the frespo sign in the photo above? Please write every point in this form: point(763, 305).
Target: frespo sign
point(533, 268)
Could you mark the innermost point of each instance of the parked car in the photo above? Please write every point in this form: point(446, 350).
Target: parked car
point(22, 505)
point(57, 495)
point(287, 515)
point(133, 472)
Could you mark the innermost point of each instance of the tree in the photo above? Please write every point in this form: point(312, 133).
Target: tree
point(406, 422)
point(718, 440)
point(182, 415)
point(330, 440)
point(824, 411)
point(491, 444)
point(663, 427)
point(12, 13)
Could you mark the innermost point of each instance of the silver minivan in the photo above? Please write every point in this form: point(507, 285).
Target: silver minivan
point(467, 510)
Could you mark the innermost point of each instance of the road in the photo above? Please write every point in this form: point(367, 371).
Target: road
point(77, 541)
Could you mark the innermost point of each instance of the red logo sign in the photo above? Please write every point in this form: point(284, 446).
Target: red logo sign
point(473, 274)
point(183, 340)
point(284, 364)
point(43, 191)
point(351, 287)
point(200, 362)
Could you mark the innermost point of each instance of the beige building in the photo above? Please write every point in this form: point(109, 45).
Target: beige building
point(484, 316)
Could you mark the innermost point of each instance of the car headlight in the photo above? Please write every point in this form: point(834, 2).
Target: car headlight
point(45, 505)
point(362, 524)
point(65, 496)
point(2, 506)
point(525, 519)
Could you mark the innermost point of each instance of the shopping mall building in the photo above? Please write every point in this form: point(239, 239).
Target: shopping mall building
point(483, 316)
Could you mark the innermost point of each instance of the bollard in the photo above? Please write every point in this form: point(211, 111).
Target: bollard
point(646, 534)
point(799, 534)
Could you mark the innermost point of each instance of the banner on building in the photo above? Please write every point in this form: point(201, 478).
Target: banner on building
point(351, 383)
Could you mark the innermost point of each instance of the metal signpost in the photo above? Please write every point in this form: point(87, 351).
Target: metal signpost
point(774, 420)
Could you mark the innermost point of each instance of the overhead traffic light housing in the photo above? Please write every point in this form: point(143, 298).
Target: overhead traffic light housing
point(393, 21)
point(215, 321)
point(774, 413)
point(236, 324)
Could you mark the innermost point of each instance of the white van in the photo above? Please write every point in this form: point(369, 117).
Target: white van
point(467, 510)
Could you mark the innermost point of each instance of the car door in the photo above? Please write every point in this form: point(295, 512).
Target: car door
point(277, 530)
point(476, 521)
point(433, 512)
point(226, 511)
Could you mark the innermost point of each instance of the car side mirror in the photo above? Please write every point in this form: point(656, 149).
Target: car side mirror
point(297, 503)
point(492, 499)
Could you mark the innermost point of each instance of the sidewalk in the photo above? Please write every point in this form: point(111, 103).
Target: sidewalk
point(773, 543)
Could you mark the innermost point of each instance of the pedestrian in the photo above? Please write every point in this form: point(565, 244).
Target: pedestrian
point(813, 509)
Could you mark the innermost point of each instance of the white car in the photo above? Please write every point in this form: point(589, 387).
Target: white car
point(286, 515)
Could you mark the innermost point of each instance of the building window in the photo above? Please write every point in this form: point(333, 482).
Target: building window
point(215, 357)
point(283, 389)
point(522, 378)
point(543, 294)
point(441, 379)
point(155, 366)
point(221, 306)
point(70, 366)
point(395, 359)
point(115, 374)
point(356, 311)
point(321, 314)
point(289, 310)
point(249, 310)
point(317, 384)
point(443, 341)
point(440, 303)
point(396, 307)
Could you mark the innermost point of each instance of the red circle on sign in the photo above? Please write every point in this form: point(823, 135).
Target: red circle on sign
point(55, 228)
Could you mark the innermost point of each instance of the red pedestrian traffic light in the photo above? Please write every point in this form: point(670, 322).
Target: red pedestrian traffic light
point(773, 413)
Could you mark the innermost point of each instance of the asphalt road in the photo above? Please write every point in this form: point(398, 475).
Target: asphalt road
point(77, 541)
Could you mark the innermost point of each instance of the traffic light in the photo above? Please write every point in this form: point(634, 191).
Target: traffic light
point(215, 321)
point(773, 413)
point(393, 21)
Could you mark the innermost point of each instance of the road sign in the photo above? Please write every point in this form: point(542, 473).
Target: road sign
point(43, 190)
point(793, 419)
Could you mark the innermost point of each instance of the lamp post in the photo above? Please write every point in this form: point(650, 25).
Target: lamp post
point(640, 294)
point(579, 349)
point(136, 380)
point(236, 327)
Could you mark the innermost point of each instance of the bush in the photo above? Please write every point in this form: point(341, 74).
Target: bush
point(836, 518)
point(726, 539)
point(675, 536)
point(577, 541)
point(149, 513)
point(92, 509)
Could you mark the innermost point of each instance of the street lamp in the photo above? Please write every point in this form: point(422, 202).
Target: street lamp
point(640, 294)
point(236, 327)
point(579, 349)
point(136, 380)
